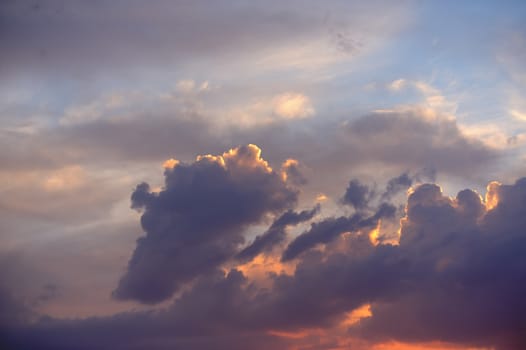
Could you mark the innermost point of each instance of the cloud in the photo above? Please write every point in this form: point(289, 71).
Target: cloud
point(401, 139)
point(189, 86)
point(196, 222)
point(14, 311)
point(291, 170)
point(360, 196)
point(397, 85)
point(417, 136)
point(293, 105)
point(461, 283)
point(180, 31)
point(57, 37)
point(276, 233)
point(329, 229)
point(94, 110)
point(433, 97)
point(518, 114)
point(357, 195)
point(404, 181)
point(397, 184)
point(71, 194)
point(436, 143)
point(455, 277)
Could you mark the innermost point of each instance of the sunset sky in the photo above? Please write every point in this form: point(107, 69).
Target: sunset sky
point(262, 175)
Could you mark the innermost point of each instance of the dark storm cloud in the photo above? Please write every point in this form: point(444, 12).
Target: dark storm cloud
point(196, 222)
point(276, 233)
point(457, 276)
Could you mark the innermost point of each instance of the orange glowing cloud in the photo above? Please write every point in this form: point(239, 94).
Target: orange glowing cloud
point(492, 195)
point(375, 234)
point(426, 346)
point(170, 163)
point(321, 197)
point(290, 335)
point(247, 157)
point(293, 105)
point(259, 268)
point(285, 167)
point(356, 315)
point(211, 158)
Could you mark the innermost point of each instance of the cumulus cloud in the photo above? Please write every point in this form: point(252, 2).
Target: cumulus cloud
point(456, 276)
point(196, 222)
point(462, 281)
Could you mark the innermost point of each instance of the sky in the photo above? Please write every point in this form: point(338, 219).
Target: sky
point(288, 175)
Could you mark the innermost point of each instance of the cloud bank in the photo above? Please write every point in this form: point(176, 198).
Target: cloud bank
point(455, 275)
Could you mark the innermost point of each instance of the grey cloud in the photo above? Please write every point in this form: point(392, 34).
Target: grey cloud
point(221, 311)
point(327, 230)
point(14, 310)
point(406, 140)
point(276, 233)
point(402, 182)
point(117, 140)
point(397, 184)
point(357, 195)
point(68, 37)
point(361, 197)
point(457, 276)
point(466, 263)
point(215, 314)
point(292, 170)
point(415, 137)
point(196, 222)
